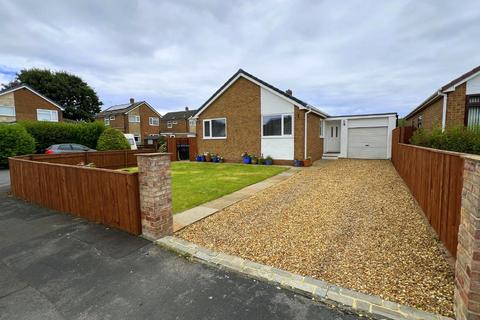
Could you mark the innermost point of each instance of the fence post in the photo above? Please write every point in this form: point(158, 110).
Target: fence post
point(467, 267)
point(155, 194)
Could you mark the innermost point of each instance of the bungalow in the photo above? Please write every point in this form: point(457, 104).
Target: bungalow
point(24, 103)
point(249, 115)
point(455, 104)
point(138, 118)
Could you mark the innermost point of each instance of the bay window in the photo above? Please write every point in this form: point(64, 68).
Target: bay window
point(277, 125)
point(215, 128)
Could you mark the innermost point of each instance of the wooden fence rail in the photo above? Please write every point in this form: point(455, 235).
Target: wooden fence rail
point(435, 178)
point(101, 195)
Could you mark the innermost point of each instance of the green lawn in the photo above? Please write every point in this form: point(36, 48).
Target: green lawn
point(196, 183)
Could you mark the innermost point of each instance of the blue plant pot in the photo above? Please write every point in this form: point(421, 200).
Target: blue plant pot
point(297, 163)
point(247, 160)
point(268, 162)
point(203, 159)
point(199, 158)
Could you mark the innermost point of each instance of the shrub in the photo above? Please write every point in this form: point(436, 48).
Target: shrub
point(48, 133)
point(112, 139)
point(14, 140)
point(459, 139)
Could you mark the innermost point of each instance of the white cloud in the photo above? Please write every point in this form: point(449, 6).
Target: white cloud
point(347, 57)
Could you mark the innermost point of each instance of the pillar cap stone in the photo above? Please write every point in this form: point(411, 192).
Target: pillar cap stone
point(153, 154)
point(471, 157)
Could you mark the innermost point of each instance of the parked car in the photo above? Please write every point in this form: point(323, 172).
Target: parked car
point(67, 148)
point(131, 140)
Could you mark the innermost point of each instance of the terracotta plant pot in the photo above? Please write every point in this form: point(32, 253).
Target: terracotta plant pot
point(307, 162)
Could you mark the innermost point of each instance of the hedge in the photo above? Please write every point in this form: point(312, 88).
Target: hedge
point(48, 133)
point(14, 140)
point(459, 139)
point(112, 139)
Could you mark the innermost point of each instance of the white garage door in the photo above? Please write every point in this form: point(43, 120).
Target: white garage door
point(367, 143)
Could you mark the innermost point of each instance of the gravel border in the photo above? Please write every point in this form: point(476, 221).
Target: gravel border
point(316, 289)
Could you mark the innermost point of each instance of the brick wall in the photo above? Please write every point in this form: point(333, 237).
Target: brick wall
point(120, 122)
point(27, 103)
point(467, 268)
point(145, 128)
point(431, 115)
point(180, 127)
point(456, 106)
point(240, 104)
point(314, 142)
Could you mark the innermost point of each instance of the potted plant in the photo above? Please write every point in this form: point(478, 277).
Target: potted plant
point(261, 160)
point(297, 163)
point(208, 157)
point(268, 161)
point(247, 159)
point(220, 159)
point(307, 162)
point(199, 158)
point(254, 159)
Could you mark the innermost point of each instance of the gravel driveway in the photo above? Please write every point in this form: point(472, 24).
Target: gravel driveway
point(352, 222)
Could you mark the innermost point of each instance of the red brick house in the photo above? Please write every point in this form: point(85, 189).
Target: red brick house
point(178, 124)
point(250, 115)
point(138, 118)
point(455, 104)
point(24, 103)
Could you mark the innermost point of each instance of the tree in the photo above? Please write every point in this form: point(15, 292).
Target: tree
point(112, 139)
point(14, 140)
point(78, 99)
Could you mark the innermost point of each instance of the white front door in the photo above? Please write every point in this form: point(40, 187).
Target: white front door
point(332, 136)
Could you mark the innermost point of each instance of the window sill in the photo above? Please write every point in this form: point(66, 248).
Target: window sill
point(214, 138)
point(277, 137)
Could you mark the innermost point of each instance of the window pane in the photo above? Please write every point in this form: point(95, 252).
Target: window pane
point(272, 125)
point(287, 124)
point(7, 111)
point(206, 128)
point(218, 128)
point(65, 147)
point(474, 117)
point(44, 115)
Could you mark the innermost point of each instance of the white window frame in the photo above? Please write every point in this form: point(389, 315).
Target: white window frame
point(192, 122)
point(169, 124)
point(136, 118)
point(8, 115)
point(282, 135)
point(150, 121)
point(106, 120)
point(322, 128)
point(210, 126)
point(51, 112)
point(112, 118)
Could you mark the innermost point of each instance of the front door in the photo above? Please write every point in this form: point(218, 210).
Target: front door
point(332, 136)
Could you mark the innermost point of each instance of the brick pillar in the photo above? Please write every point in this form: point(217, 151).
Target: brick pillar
point(155, 194)
point(467, 268)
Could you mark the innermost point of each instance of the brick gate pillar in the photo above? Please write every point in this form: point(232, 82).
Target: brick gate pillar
point(155, 194)
point(467, 268)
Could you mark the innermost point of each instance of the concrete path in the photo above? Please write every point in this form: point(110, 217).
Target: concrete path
point(187, 217)
point(54, 266)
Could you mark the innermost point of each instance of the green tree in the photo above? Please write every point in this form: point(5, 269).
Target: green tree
point(14, 140)
point(78, 99)
point(112, 139)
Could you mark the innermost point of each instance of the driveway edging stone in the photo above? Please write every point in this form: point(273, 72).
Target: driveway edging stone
point(307, 286)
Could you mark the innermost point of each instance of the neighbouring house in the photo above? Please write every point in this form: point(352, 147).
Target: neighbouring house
point(178, 124)
point(138, 118)
point(455, 104)
point(249, 115)
point(24, 103)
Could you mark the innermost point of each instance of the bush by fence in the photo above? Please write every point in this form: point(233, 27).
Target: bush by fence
point(112, 139)
point(459, 139)
point(48, 133)
point(14, 140)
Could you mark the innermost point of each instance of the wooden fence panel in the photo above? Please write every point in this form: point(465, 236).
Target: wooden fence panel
point(103, 196)
point(435, 178)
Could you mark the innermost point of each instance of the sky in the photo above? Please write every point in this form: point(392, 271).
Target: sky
point(344, 57)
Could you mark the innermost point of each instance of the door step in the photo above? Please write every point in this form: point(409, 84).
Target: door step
point(330, 156)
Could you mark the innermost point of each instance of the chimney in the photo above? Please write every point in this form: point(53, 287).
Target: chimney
point(289, 92)
point(186, 108)
point(132, 100)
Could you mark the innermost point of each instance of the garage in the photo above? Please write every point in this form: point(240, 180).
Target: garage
point(367, 143)
point(361, 136)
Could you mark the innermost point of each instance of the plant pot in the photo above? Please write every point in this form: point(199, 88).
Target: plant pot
point(203, 158)
point(199, 158)
point(247, 160)
point(297, 163)
point(254, 161)
point(307, 162)
point(208, 158)
point(268, 162)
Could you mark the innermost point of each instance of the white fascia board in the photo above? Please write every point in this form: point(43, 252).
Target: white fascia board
point(453, 87)
point(363, 116)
